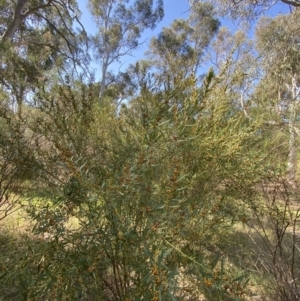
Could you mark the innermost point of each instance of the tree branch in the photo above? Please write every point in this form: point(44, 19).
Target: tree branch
point(294, 3)
point(31, 42)
point(70, 46)
point(34, 9)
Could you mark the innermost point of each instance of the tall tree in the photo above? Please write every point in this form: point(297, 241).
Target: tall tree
point(278, 45)
point(15, 16)
point(36, 36)
point(120, 25)
point(177, 51)
point(247, 9)
point(234, 59)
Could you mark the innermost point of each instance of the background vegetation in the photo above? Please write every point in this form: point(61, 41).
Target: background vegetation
point(170, 181)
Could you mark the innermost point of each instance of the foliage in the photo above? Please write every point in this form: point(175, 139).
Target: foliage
point(150, 211)
point(37, 39)
point(180, 193)
point(277, 44)
point(177, 51)
point(120, 25)
point(246, 9)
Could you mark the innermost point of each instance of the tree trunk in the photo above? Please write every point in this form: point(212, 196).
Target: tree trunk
point(103, 80)
point(17, 20)
point(12, 28)
point(292, 157)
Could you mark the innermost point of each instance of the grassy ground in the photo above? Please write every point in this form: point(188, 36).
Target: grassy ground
point(19, 254)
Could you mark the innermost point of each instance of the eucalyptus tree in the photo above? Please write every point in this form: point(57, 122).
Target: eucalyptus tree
point(120, 25)
point(234, 59)
point(36, 36)
point(177, 51)
point(247, 9)
point(16, 15)
point(278, 46)
point(37, 42)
